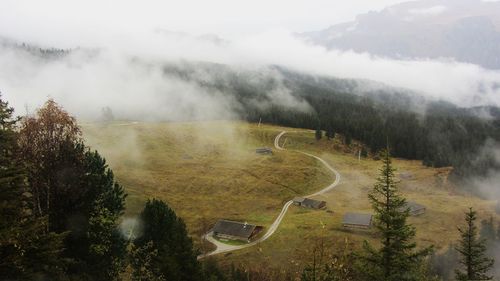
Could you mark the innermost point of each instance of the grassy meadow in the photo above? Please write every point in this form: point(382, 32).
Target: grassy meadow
point(209, 170)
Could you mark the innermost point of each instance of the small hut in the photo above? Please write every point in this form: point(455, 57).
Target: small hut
point(356, 220)
point(309, 203)
point(264, 150)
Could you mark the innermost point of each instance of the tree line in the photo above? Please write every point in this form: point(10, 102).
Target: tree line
point(436, 132)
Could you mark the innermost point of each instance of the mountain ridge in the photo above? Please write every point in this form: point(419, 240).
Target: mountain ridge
point(464, 30)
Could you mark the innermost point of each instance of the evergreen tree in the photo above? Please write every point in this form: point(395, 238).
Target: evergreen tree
point(397, 259)
point(472, 250)
point(318, 134)
point(26, 250)
point(330, 133)
point(175, 260)
point(143, 261)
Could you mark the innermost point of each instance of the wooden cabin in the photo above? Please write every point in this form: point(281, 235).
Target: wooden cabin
point(356, 220)
point(233, 230)
point(309, 203)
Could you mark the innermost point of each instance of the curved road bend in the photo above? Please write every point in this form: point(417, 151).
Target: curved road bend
point(224, 248)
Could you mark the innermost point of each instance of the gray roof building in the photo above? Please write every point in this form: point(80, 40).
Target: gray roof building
point(264, 150)
point(235, 230)
point(356, 220)
point(309, 203)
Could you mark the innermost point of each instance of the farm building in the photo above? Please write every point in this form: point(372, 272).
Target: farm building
point(415, 208)
point(355, 220)
point(309, 203)
point(234, 230)
point(264, 150)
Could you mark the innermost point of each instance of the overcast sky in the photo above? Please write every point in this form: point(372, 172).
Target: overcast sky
point(77, 20)
point(259, 31)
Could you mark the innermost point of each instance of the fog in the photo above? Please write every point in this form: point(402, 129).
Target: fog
point(124, 72)
point(122, 50)
point(487, 186)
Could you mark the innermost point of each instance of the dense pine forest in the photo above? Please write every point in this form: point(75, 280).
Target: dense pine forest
point(434, 131)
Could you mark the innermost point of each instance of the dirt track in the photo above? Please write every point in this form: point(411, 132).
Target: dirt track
point(224, 248)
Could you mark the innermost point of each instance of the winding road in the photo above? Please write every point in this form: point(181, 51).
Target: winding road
point(224, 248)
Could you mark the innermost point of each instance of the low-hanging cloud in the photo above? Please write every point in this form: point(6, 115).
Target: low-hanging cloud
point(126, 74)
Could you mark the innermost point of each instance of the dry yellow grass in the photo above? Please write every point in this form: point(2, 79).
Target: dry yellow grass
point(205, 170)
point(209, 170)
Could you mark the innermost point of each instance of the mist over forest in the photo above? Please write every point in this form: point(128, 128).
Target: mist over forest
point(416, 81)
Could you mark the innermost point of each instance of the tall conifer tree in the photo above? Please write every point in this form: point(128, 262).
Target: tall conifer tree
point(397, 259)
point(474, 261)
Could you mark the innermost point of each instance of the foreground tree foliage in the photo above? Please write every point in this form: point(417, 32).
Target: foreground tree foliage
point(475, 265)
point(26, 250)
point(75, 191)
point(398, 258)
point(164, 249)
point(328, 265)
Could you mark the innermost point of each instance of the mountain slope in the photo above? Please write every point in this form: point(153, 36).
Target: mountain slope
point(465, 30)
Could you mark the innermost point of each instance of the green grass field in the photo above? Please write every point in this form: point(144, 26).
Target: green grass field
point(209, 170)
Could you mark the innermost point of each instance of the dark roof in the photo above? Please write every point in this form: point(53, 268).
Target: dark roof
point(414, 206)
point(312, 203)
point(263, 149)
point(357, 219)
point(234, 228)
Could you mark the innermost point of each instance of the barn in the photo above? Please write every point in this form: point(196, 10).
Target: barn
point(356, 220)
point(233, 230)
point(414, 208)
point(309, 203)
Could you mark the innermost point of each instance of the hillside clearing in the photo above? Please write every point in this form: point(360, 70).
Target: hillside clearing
point(209, 170)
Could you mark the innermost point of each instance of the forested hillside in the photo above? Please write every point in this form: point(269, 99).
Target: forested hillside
point(415, 127)
point(436, 132)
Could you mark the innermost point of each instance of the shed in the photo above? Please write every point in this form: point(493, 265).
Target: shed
point(234, 230)
point(356, 220)
point(415, 208)
point(264, 150)
point(309, 203)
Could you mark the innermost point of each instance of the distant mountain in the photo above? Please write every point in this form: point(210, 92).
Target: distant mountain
point(464, 30)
